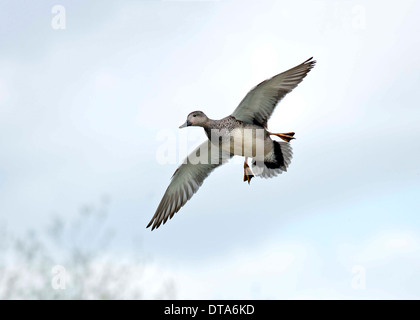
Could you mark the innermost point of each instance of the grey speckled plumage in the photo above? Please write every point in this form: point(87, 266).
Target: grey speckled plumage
point(252, 113)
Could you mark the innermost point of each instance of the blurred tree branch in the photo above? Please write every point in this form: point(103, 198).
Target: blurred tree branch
point(79, 246)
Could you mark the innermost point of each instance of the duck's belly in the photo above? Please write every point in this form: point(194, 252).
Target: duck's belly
point(247, 142)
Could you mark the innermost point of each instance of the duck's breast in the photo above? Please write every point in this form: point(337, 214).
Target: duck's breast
point(248, 142)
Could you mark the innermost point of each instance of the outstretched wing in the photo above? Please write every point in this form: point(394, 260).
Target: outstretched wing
point(187, 179)
point(259, 103)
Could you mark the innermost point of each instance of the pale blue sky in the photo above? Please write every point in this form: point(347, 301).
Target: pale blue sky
point(81, 109)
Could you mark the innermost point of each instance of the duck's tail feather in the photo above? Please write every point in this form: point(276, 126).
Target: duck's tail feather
point(275, 162)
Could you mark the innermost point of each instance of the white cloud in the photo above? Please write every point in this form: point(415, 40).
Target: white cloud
point(387, 245)
point(265, 271)
point(104, 81)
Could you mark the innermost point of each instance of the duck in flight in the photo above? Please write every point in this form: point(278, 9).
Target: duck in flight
point(243, 133)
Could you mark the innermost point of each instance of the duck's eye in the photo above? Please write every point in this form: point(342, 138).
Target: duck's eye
point(194, 115)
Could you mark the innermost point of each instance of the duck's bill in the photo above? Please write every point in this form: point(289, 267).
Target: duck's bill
point(186, 124)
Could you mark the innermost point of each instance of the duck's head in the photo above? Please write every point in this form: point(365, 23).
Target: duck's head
point(196, 118)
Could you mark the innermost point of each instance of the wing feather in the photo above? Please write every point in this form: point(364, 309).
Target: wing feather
point(187, 179)
point(259, 104)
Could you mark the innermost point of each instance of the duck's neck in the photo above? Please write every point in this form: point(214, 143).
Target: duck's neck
point(210, 124)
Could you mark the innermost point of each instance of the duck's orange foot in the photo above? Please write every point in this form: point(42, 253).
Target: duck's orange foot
point(248, 175)
point(285, 136)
